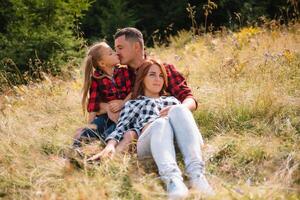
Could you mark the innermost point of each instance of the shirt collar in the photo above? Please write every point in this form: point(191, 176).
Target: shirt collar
point(99, 73)
point(142, 97)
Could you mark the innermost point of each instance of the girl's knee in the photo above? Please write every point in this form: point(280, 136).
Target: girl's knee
point(130, 135)
point(128, 141)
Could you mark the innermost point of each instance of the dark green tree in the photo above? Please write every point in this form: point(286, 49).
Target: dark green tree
point(43, 30)
point(105, 17)
point(116, 15)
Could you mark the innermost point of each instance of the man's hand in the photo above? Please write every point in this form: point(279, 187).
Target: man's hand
point(164, 112)
point(107, 152)
point(115, 105)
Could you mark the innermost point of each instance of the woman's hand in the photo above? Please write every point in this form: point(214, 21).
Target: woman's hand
point(107, 152)
point(116, 105)
point(164, 112)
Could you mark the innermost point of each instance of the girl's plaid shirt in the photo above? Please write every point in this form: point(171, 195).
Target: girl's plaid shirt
point(105, 88)
point(137, 113)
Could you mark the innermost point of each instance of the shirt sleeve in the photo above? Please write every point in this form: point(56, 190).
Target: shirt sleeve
point(94, 98)
point(127, 114)
point(177, 85)
point(173, 101)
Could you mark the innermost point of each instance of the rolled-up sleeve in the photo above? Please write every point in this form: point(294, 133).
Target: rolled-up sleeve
point(177, 84)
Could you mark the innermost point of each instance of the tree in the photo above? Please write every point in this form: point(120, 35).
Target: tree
point(43, 30)
point(105, 17)
point(116, 15)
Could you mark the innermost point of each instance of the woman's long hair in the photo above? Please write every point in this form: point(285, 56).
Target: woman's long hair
point(142, 72)
point(90, 63)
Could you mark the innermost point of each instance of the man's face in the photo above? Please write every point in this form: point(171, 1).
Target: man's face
point(125, 50)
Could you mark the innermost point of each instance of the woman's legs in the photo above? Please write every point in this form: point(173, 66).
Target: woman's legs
point(189, 141)
point(158, 141)
point(187, 137)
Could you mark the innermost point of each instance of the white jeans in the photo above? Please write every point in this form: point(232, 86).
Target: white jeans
point(157, 141)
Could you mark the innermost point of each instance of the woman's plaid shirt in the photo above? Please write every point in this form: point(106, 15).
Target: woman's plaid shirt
point(137, 113)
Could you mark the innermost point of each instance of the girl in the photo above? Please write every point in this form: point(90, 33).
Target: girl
point(156, 133)
point(106, 82)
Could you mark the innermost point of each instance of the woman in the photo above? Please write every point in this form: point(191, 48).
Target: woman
point(156, 133)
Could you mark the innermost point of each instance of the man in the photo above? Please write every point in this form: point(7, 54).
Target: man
point(129, 45)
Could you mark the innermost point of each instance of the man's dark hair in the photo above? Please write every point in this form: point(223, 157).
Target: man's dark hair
point(132, 34)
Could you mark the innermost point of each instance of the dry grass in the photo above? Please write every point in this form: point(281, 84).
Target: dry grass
point(247, 84)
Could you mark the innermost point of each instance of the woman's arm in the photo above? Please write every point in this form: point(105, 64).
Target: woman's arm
point(168, 102)
point(127, 116)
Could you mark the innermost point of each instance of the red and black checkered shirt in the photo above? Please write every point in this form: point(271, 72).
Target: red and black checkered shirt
point(105, 88)
point(177, 85)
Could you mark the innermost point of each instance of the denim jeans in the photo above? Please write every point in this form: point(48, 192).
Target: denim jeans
point(157, 141)
point(104, 127)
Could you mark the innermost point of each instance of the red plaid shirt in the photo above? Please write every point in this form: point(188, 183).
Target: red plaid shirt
point(105, 88)
point(177, 85)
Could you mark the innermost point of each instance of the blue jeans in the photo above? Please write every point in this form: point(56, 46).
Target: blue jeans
point(157, 141)
point(104, 127)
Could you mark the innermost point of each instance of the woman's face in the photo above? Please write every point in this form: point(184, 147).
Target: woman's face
point(153, 81)
point(109, 57)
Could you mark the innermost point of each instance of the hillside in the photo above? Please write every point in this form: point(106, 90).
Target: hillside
point(248, 88)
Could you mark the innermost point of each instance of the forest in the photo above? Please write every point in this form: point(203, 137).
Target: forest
point(49, 36)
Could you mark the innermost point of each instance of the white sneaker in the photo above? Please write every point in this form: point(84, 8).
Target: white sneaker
point(176, 189)
point(200, 184)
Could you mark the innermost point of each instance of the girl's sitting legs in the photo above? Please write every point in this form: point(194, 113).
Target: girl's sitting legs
point(99, 128)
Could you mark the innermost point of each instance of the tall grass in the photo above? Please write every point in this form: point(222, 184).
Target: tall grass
point(247, 84)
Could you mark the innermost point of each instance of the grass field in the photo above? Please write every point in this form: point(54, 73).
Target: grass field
point(248, 87)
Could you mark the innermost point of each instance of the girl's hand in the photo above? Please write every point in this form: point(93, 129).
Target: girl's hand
point(107, 152)
point(116, 105)
point(113, 116)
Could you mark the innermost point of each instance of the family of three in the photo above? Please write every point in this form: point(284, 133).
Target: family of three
point(145, 101)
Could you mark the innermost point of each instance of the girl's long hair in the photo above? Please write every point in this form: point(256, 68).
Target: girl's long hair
point(89, 64)
point(142, 72)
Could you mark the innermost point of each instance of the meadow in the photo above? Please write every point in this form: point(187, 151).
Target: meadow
point(247, 84)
